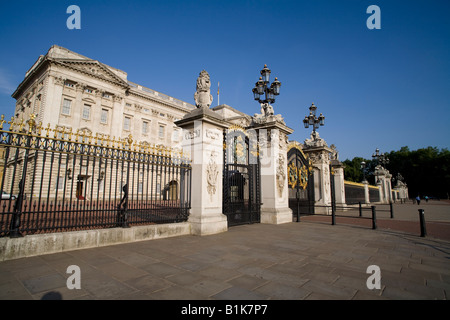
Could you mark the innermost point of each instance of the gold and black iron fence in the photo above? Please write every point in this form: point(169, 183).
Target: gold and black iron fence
point(55, 180)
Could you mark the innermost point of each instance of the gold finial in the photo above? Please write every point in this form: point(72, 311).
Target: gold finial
point(21, 124)
point(39, 128)
point(47, 130)
point(12, 123)
point(31, 123)
point(2, 121)
point(69, 131)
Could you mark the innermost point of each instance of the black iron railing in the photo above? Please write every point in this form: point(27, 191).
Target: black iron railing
point(55, 180)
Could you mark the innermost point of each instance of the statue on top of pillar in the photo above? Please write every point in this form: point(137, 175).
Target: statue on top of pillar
point(203, 97)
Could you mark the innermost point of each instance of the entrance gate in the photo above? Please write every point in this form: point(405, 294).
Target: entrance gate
point(241, 178)
point(300, 182)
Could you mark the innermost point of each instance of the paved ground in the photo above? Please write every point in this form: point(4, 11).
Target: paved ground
point(294, 261)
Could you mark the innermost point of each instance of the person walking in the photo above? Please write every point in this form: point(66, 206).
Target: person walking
point(418, 200)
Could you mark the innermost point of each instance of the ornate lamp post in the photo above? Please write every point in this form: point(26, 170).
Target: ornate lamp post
point(380, 158)
point(262, 92)
point(313, 121)
point(363, 169)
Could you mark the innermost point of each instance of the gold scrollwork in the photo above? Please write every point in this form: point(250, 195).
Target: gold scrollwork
point(303, 177)
point(292, 175)
point(297, 176)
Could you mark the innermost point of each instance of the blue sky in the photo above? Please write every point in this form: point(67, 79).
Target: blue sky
point(383, 88)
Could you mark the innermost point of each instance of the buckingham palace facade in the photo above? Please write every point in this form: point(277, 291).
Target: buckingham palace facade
point(68, 90)
point(78, 102)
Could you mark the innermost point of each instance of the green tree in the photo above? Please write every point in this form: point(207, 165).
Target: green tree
point(426, 171)
point(353, 171)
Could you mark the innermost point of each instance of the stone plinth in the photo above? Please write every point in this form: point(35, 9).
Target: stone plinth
point(274, 184)
point(203, 138)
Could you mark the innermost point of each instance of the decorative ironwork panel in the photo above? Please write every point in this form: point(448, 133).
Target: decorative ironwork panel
point(300, 182)
point(75, 181)
point(241, 178)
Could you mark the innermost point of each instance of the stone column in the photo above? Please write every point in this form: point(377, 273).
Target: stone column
point(366, 192)
point(339, 186)
point(380, 189)
point(318, 152)
point(389, 187)
point(274, 183)
point(203, 138)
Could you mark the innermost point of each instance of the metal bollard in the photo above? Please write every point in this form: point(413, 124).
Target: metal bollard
point(360, 209)
point(374, 218)
point(423, 229)
point(333, 215)
point(392, 210)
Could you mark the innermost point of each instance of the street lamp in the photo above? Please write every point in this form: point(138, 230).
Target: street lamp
point(380, 158)
point(312, 120)
point(363, 168)
point(263, 89)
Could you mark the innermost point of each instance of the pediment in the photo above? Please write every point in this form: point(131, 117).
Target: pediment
point(93, 68)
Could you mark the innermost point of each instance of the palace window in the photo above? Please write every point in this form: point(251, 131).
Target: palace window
point(69, 84)
point(161, 131)
point(104, 116)
point(66, 107)
point(86, 115)
point(60, 183)
point(144, 127)
point(127, 123)
point(176, 135)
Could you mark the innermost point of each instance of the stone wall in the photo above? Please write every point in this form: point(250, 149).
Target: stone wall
point(40, 244)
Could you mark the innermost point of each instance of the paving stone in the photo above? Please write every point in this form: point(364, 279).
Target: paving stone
point(329, 290)
point(185, 278)
point(44, 283)
point(366, 295)
point(148, 283)
point(121, 271)
point(238, 293)
point(220, 273)
point(177, 293)
point(14, 290)
point(161, 269)
point(209, 287)
point(282, 291)
point(247, 282)
point(104, 287)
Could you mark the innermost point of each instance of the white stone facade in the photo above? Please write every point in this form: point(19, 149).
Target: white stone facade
point(67, 90)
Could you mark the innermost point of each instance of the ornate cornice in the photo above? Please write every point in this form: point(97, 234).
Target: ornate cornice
point(71, 65)
point(160, 101)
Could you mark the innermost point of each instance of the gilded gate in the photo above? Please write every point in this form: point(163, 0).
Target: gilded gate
point(300, 182)
point(241, 177)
